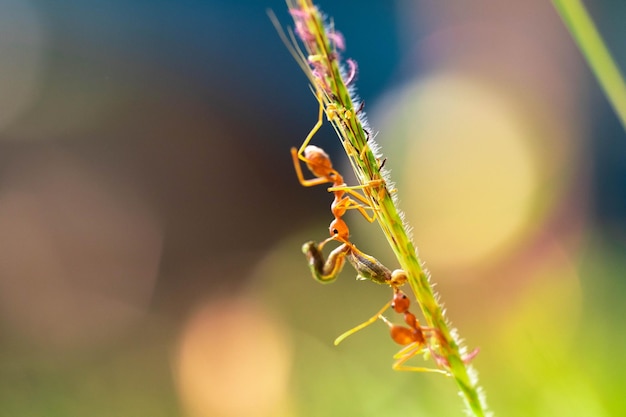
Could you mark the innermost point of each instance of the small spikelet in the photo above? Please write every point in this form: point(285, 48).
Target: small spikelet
point(352, 70)
point(337, 40)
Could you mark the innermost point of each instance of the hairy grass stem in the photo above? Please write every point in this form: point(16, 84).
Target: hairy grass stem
point(332, 80)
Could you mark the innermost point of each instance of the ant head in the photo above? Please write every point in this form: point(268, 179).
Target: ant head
point(398, 278)
point(401, 302)
point(339, 229)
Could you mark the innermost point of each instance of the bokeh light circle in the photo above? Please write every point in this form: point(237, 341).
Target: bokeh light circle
point(233, 360)
point(469, 177)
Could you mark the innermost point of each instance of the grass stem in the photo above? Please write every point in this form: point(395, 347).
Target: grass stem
point(331, 80)
point(584, 32)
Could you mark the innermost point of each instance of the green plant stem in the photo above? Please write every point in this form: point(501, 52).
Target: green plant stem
point(584, 32)
point(322, 67)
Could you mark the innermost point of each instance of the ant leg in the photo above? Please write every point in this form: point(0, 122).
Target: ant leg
point(441, 360)
point(353, 205)
point(402, 335)
point(407, 353)
point(316, 127)
point(320, 165)
point(351, 190)
point(361, 326)
point(346, 203)
point(365, 148)
point(359, 202)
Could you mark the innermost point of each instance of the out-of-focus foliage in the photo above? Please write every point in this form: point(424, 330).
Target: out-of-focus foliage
point(151, 223)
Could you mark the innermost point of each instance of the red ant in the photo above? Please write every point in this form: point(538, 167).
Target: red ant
point(414, 338)
point(346, 197)
point(368, 267)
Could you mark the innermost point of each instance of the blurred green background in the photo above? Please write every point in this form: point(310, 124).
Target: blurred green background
point(151, 222)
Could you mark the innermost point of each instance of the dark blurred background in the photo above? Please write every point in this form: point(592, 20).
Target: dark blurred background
point(151, 221)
